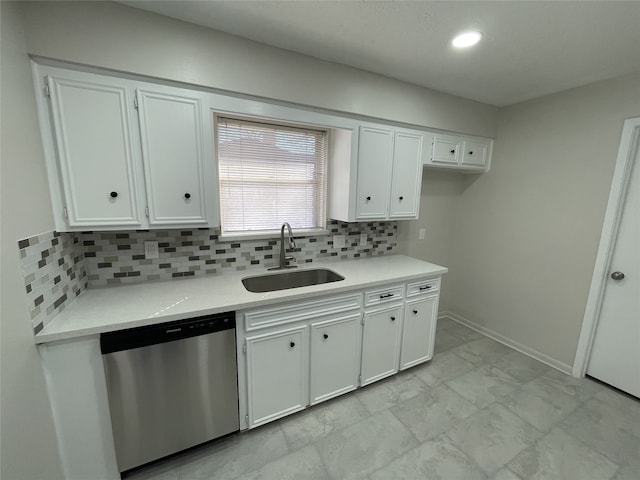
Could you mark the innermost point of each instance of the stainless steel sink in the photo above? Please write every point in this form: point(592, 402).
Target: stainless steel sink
point(283, 281)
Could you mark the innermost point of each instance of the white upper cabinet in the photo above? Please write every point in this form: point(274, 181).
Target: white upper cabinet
point(460, 153)
point(407, 175)
point(176, 150)
point(375, 150)
point(107, 173)
point(97, 157)
point(387, 163)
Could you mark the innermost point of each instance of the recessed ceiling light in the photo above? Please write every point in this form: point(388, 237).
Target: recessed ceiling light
point(466, 39)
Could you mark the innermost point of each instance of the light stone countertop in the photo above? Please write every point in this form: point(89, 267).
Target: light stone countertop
point(108, 309)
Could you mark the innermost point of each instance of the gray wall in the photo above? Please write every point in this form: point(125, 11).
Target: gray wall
point(526, 235)
point(122, 38)
point(113, 36)
point(29, 446)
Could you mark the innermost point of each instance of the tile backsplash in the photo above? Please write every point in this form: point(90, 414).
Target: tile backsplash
point(54, 274)
point(57, 266)
point(113, 258)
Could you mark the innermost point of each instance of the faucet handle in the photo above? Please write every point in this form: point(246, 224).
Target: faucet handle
point(290, 258)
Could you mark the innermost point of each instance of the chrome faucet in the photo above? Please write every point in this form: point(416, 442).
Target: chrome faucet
point(292, 244)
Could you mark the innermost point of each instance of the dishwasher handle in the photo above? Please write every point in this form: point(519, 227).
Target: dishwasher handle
point(165, 332)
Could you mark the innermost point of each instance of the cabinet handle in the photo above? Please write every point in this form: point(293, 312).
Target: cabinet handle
point(292, 344)
point(325, 336)
point(453, 151)
point(113, 194)
point(388, 295)
point(427, 287)
point(400, 198)
point(415, 312)
point(368, 198)
point(393, 319)
point(187, 195)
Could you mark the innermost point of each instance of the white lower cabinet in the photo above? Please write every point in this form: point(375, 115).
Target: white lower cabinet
point(335, 357)
point(419, 331)
point(380, 343)
point(277, 374)
point(296, 354)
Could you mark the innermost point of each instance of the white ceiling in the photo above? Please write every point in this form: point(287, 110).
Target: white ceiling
point(529, 48)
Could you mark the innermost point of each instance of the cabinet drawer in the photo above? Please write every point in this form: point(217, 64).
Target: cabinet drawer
point(383, 295)
point(423, 287)
point(301, 311)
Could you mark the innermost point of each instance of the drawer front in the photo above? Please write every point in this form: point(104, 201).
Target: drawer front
point(423, 287)
point(383, 295)
point(302, 311)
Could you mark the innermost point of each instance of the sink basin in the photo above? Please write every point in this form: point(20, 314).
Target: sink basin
point(283, 281)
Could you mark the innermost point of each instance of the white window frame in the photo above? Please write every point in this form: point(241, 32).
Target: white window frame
point(269, 234)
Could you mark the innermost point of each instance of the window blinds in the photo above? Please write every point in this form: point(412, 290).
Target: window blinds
point(270, 174)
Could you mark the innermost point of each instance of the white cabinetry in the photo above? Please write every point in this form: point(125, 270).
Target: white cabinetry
point(375, 149)
point(387, 166)
point(335, 357)
point(419, 325)
point(176, 148)
point(380, 343)
point(460, 153)
point(277, 374)
point(98, 159)
point(106, 172)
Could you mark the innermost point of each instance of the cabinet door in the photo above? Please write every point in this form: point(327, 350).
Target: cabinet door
point(277, 370)
point(419, 331)
point(474, 153)
point(93, 135)
point(380, 343)
point(335, 357)
point(446, 150)
point(407, 176)
point(171, 128)
point(375, 151)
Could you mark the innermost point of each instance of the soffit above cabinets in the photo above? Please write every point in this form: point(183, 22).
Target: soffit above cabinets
point(529, 49)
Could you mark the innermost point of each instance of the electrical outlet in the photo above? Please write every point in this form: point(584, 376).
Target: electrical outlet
point(150, 249)
point(363, 239)
point(339, 241)
point(422, 233)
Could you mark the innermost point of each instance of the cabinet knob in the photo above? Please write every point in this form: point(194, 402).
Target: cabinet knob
point(325, 336)
point(617, 275)
point(368, 198)
point(393, 319)
point(113, 194)
point(292, 344)
point(400, 198)
point(187, 195)
point(415, 312)
point(453, 151)
point(470, 152)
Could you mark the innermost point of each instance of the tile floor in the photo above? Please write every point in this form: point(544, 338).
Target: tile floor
point(478, 410)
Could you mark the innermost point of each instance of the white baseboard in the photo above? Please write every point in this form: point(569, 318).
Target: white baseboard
point(552, 362)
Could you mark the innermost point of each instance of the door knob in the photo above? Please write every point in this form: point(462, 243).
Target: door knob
point(617, 275)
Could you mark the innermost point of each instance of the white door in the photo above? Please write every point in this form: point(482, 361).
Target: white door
point(171, 128)
point(615, 355)
point(93, 135)
point(474, 153)
point(380, 343)
point(418, 331)
point(335, 357)
point(277, 368)
point(446, 150)
point(407, 175)
point(375, 150)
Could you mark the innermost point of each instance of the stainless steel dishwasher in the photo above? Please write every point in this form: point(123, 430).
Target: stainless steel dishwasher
point(171, 386)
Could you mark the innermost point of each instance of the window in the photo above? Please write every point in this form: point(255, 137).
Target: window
point(270, 174)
